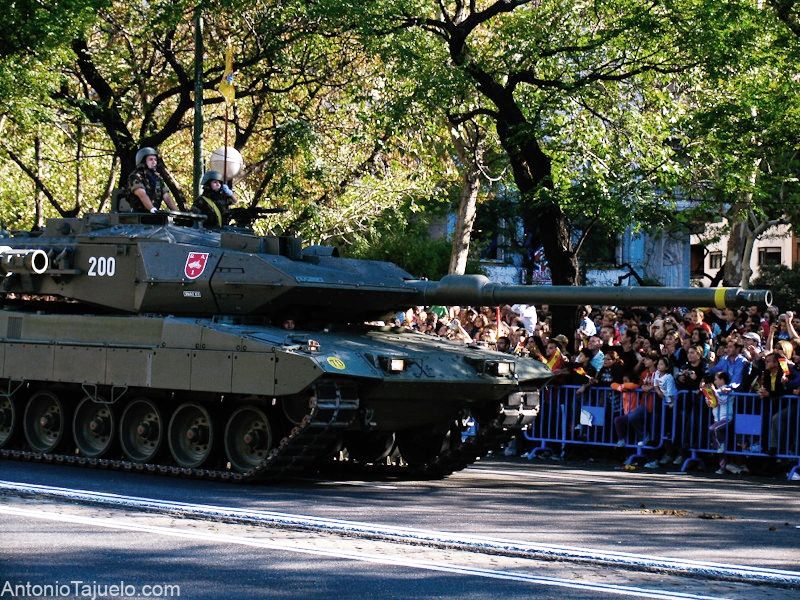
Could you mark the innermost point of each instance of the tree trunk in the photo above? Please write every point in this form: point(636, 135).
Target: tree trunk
point(734, 254)
point(542, 217)
point(464, 223)
point(470, 187)
point(78, 159)
point(747, 252)
point(738, 253)
point(38, 213)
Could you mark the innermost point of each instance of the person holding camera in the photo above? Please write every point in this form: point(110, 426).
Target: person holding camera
point(691, 374)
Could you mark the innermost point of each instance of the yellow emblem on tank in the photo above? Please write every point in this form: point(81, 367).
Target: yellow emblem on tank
point(336, 362)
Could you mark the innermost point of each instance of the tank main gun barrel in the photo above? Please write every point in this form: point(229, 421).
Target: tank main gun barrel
point(477, 289)
point(17, 260)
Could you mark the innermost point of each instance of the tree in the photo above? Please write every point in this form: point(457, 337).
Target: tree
point(738, 144)
point(310, 115)
point(788, 11)
point(540, 67)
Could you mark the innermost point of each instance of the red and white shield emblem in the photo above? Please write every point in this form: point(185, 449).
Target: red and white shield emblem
point(195, 264)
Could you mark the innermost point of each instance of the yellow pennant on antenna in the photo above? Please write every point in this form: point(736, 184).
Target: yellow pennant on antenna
point(225, 86)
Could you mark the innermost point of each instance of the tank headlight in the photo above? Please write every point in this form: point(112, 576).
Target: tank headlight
point(501, 368)
point(393, 365)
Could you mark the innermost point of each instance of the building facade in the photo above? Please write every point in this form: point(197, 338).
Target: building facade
point(776, 246)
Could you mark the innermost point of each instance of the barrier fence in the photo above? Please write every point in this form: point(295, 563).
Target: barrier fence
point(748, 425)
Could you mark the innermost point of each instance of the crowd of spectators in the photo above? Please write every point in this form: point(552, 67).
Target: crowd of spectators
point(660, 351)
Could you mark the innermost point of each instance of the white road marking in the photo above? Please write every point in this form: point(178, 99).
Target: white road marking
point(366, 484)
point(469, 543)
point(618, 477)
point(296, 547)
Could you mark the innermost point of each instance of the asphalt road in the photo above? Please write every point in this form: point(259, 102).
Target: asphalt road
point(729, 520)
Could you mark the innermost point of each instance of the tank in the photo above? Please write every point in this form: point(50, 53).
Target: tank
point(147, 343)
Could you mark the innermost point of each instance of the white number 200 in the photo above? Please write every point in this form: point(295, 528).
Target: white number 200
point(102, 266)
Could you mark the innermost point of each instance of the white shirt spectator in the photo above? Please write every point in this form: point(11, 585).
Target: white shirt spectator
point(587, 327)
point(526, 312)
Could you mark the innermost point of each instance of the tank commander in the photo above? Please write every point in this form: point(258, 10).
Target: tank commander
point(215, 200)
point(146, 188)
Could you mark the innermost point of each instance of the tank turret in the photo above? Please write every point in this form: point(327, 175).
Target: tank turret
point(153, 264)
point(145, 343)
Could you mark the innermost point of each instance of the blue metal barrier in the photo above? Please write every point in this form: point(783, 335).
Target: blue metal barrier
point(593, 418)
point(757, 427)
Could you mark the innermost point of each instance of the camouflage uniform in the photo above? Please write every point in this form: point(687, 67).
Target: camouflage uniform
point(151, 182)
point(214, 205)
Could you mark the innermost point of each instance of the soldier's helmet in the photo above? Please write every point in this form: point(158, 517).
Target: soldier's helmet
point(144, 153)
point(210, 176)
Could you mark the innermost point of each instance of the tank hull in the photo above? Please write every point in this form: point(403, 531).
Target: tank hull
point(376, 384)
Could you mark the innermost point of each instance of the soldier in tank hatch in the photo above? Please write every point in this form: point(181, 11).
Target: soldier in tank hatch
point(146, 188)
point(215, 200)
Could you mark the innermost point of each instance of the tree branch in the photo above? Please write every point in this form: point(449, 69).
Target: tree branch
point(40, 185)
point(460, 118)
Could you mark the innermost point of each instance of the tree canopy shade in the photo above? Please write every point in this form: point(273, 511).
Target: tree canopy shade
point(351, 113)
point(33, 37)
point(788, 11)
point(577, 92)
point(737, 144)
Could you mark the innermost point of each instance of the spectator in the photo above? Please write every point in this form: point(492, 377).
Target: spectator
point(673, 350)
point(553, 357)
point(611, 372)
point(503, 344)
point(586, 327)
point(691, 374)
point(699, 337)
point(595, 353)
point(627, 350)
point(608, 337)
point(647, 384)
point(633, 409)
point(733, 363)
point(527, 313)
point(720, 400)
point(666, 391)
point(725, 320)
point(771, 387)
point(696, 320)
point(582, 369)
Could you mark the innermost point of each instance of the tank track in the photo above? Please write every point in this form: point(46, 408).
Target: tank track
point(332, 409)
point(490, 437)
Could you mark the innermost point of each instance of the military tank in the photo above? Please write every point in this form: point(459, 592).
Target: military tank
point(148, 343)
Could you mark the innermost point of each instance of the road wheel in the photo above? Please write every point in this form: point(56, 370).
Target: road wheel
point(248, 438)
point(191, 435)
point(45, 422)
point(369, 447)
point(93, 428)
point(422, 446)
point(8, 421)
point(141, 431)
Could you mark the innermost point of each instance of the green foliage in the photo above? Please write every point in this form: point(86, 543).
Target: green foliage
point(404, 239)
point(783, 282)
point(33, 40)
point(344, 109)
